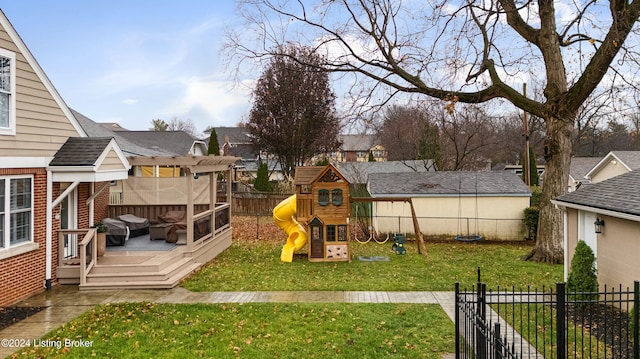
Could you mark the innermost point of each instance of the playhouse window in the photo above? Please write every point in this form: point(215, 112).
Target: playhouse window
point(336, 197)
point(323, 197)
point(342, 233)
point(331, 233)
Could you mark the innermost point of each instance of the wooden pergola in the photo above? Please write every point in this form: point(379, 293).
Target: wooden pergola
point(193, 165)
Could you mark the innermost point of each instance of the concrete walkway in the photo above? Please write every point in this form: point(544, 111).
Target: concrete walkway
point(64, 303)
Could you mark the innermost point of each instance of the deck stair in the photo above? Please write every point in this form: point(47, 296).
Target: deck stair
point(140, 270)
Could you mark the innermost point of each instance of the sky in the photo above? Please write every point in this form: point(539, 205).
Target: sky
point(134, 61)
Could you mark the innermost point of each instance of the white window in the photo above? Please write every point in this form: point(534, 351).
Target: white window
point(16, 211)
point(7, 92)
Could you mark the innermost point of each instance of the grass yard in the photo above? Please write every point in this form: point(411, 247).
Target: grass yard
point(302, 330)
point(256, 266)
point(257, 330)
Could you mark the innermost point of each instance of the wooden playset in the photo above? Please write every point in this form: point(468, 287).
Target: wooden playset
point(318, 214)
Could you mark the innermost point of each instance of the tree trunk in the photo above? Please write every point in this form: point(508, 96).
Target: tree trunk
point(557, 153)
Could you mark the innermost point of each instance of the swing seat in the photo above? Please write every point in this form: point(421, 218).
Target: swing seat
point(469, 238)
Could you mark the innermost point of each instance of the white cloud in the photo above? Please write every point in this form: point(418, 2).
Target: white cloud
point(130, 101)
point(213, 101)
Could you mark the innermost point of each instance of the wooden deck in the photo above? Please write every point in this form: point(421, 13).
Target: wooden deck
point(152, 269)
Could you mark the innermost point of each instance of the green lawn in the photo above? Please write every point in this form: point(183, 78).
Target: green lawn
point(257, 330)
point(344, 330)
point(256, 266)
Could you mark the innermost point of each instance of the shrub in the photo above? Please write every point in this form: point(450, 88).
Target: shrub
point(530, 220)
point(536, 196)
point(631, 322)
point(582, 273)
point(262, 178)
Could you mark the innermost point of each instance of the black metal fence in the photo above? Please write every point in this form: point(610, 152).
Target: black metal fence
point(550, 323)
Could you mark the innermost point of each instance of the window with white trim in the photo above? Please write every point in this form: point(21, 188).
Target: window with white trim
point(16, 211)
point(7, 92)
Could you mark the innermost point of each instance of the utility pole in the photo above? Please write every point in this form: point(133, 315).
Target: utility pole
point(526, 167)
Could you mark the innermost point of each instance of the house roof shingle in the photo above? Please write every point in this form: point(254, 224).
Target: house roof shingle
point(80, 151)
point(357, 142)
point(129, 148)
point(481, 183)
point(630, 158)
point(358, 172)
point(580, 166)
point(617, 194)
point(177, 143)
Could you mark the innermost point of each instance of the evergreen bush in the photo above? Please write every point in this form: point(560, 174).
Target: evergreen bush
point(583, 276)
point(531, 215)
point(262, 179)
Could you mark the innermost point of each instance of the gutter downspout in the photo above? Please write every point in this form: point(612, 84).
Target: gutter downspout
point(48, 232)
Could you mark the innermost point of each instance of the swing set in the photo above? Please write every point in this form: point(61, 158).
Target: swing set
point(469, 237)
point(422, 248)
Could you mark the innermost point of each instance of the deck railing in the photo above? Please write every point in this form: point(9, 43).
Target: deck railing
point(74, 250)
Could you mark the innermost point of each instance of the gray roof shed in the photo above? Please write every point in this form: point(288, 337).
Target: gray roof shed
point(447, 183)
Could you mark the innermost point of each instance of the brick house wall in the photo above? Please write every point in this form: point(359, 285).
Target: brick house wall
point(23, 275)
point(101, 203)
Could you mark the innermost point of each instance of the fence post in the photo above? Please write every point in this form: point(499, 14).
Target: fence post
point(560, 320)
point(481, 317)
point(636, 309)
point(497, 344)
point(457, 319)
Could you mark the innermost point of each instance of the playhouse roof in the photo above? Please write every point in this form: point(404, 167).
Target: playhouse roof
point(311, 174)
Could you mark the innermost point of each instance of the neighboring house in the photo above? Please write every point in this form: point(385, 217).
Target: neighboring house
point(613, 164)
point(52, 176)
point(173, 143)
point(486, 203)
point(578, 170)
point(358, 172)
point(356, 148)
point(236, 141)
point(517, 169)
point(112, 126)
point(615, 205)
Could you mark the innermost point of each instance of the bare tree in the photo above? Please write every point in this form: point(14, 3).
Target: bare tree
point(175, 124)
point(466, 52)
point(467, 139)
point(408, 133)
point(187, 126)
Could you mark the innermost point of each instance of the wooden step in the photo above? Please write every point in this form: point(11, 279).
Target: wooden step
point(170, 281)
point(139, 273)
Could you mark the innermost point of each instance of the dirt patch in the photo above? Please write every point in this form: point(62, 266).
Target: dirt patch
point(12, 315)
point(607, 323)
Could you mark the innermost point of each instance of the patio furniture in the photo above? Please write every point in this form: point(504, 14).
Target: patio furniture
point(159, 231)
point(182, 236)
point(137, 225)
point(117, 232)
point(178, 221)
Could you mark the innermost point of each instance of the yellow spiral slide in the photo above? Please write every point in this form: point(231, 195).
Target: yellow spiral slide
point(284, 217)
